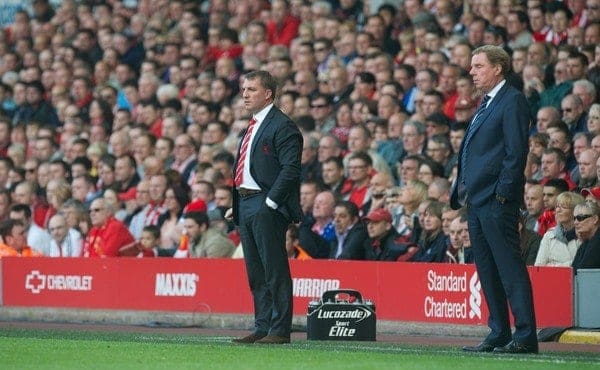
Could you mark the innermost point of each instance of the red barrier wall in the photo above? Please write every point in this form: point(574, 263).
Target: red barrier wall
point(440, 293)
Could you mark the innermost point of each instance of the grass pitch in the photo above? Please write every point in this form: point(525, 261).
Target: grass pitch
point(69, 349)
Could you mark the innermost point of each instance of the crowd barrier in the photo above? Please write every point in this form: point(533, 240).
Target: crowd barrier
point(417, 292)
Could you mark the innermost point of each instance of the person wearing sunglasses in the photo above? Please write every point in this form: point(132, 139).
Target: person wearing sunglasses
point(107, 235)
point(586, 217)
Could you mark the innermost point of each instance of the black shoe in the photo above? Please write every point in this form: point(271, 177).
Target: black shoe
point(481, 347)
point(273, 339)
point(516, 347)
point(248, 339)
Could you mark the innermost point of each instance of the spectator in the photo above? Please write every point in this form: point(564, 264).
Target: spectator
point(350, 233)
point(282, 27)
point(534, 205)
point(5, 203)
point(76, 215)
point(205, 241)
point(439, 189)
point(593, 122)
point(562, 139)
point(375, 26)
point(292, 244)
point(37, 237)
point(561, 16)
point(333, 175)
point(223, 196)
point(586, 91)
point(436, 123)
point(432, 106)
point(546, 116)
point(433, 243)
point(586, 222)
point(554, 167)
point(107, 235)
point(83, 189)
point(66, 241)
point(338, 82)
point(13, 241)
point(573, 113)
point(163, 149)
point(57, 192)
point(577, 65)
point(24, 193)
point(459, 236)
point(413, 137)
point(518, 29)
point(321, 106)
point(581, 142)
point(359, 170)
point(551, 190)
point(559, 244)
point(329, 146)
point(383, 243)
point(529, 242)
point(308, 192)
point(430, 170)
point(106, 173)
point(185, 159)
point(405, 219)
point(317, 234)
point(378, 185)
point(37, 109)
point(149, 244)
point(176, 198)
point(588, 172)
point(126, 176)
point(310, 167)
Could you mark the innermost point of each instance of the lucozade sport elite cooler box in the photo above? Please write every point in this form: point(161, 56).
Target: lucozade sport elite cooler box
point(341, 315)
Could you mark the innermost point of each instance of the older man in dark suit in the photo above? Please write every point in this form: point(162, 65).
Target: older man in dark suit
point(266, 199)
point(490, 182)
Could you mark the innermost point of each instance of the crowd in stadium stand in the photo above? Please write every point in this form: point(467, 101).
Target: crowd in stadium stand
point(120, 121)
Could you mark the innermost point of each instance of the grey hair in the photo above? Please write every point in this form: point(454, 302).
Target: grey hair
point(590, 205)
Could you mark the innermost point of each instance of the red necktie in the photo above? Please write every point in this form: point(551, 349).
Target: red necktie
point(239, 170)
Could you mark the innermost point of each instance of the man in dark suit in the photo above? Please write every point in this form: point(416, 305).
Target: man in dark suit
point(350, 233)
point(266, 198)
point(490, 181)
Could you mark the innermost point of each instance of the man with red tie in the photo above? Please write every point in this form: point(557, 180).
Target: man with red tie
point(266, 198)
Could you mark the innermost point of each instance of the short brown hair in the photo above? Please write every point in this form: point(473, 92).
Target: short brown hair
point(266, 80)
point(496, 55)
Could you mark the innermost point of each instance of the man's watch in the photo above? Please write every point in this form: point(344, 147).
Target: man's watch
point(501, 199)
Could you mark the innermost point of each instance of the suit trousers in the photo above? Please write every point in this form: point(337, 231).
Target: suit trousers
point(262, 232)
point(493, 229)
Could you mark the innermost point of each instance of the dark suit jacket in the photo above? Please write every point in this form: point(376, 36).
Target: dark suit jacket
point(275, 164)
point(497, 152)
point(353, 247)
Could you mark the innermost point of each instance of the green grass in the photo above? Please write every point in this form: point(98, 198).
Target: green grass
point(67, 349)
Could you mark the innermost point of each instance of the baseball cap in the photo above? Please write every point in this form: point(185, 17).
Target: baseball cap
point(379, 214)
point(595, 192)
point(195, 206)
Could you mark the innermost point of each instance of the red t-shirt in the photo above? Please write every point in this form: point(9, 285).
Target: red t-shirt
point(106, 241)
point(283, 34)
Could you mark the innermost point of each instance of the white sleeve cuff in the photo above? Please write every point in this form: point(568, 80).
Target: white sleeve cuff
point(270, 203)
